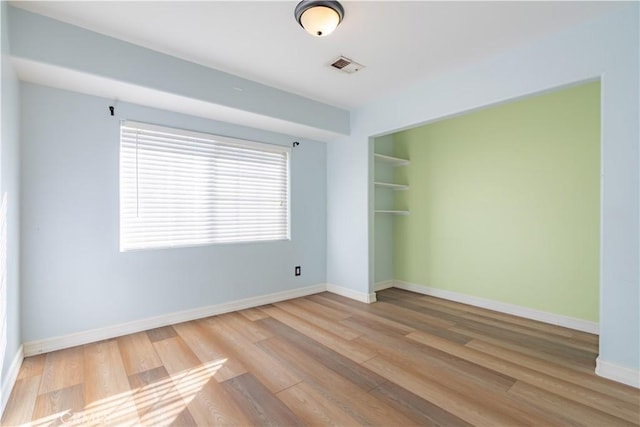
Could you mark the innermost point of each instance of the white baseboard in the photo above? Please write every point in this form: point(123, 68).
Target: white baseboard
point(516, 310)
point(350, 293)
point(9, 381)
point(621, 374)
point(93, 335)
point(85, 337)
point(379, 286)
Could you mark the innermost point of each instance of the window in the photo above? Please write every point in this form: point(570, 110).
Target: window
point(181, 188)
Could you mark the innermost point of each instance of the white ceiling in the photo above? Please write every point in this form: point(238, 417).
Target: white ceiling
point(400, 43)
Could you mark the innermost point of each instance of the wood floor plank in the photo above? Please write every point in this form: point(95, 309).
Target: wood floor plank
point(342, 365)
point(553, 349)
point(405, 314)
point(107, 392)
point(599, 384)
point(105, 375)
point(581, 414)
point(419, 410)
point(158, 400)
point(251, 331)
point(458, 376)
point(32, 366)
point(138, 353)
point(176, 355)
point(206, 346)
point(423, 307)
point(214, 405)
point(356, 402)
point(62, 369)
point(162, 333)
point(329, 296)
point(438, 363)
point(468, 407)
point(365, 324)
point(59, 406)
point(325, 299)
point(562, 388)
point(509, 318)
point(208, 402)
point(361, 313)
point(459, 317)
point(253, 314)
point(19, 409)
point(590, 347)
point(313, 408)
point(257, 402)
point(583, 365)
point(347, 348)
point(414, 320)
point(426, 302)
point(321, 310)
point(272, 374)
point(328, 325)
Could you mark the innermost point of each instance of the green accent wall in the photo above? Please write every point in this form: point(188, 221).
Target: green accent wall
point(505, 203)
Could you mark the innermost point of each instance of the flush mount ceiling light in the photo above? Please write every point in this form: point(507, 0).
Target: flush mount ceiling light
point(319, 18)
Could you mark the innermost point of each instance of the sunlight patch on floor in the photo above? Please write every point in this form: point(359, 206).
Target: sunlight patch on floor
point(158, 403)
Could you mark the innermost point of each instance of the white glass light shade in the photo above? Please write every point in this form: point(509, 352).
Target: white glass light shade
point(320, 21)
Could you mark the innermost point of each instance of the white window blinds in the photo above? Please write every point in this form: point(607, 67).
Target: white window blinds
point(182, 188)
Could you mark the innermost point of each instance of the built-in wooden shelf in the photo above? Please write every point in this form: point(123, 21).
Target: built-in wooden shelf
point(391, 186)
point(394, 161)
point(393, 212)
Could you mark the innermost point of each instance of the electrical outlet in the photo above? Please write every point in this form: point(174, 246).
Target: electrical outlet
point(298, 270)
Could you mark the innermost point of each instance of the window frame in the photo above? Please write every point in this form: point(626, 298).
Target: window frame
point(213, 139)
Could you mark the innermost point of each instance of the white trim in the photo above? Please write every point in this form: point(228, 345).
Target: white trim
point(85, 337)
point(379, 286)
point(350, 293)
point(516, 310)
point(621, 374)
point(10, 380)
point(57, 343)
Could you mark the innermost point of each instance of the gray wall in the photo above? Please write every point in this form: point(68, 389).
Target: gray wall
point(9, 185)
point(73, 276)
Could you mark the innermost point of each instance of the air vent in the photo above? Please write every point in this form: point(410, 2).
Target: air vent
point(346, 65)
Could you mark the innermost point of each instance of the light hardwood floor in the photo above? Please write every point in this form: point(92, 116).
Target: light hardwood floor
point(327, 360)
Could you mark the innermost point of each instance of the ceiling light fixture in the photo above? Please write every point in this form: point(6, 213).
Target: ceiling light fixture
point(319, 18)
